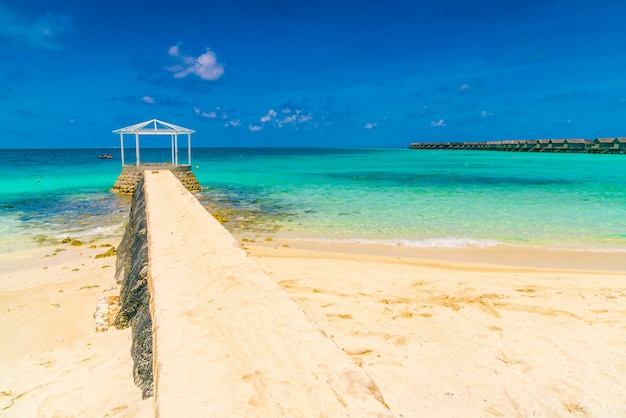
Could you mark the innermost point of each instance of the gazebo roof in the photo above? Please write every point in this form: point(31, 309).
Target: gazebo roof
point(154, 127)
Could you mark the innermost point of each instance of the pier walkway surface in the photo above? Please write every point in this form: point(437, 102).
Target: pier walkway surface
point(227, 339)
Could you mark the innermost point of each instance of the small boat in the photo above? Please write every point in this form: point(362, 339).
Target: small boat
point(105, 156)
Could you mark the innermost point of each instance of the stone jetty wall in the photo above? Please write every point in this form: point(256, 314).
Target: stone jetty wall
point(130, 176)
point(132, 273)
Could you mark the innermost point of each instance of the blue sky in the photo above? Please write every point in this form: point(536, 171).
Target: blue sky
point(323, 73)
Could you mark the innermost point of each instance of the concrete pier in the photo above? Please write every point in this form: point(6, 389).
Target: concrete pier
point(227, 340)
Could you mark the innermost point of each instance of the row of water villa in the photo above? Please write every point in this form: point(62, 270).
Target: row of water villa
point(592, 146)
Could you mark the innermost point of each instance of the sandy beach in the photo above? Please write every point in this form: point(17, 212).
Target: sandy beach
point(457, 339)
point(439, 336)
point(52, 362)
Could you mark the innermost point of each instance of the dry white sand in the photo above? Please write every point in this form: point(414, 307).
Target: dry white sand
point(438, 337)
point(444, 338)
point(52, 362)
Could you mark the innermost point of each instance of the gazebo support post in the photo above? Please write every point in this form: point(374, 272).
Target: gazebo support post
point(172, 140)
point(137, 150)
point(176, 147)
point(122, 147)
point(189, 149)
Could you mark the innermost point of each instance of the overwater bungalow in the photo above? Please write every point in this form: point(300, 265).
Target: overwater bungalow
point(599, 145)
point(508, 145)
point(602, 145)
point(617, 146)
point(574, 145)
point(527, 144)
point(493, 145)
point(542, 145)
point(555, 145)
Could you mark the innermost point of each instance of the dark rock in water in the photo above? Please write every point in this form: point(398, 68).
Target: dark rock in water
point(128, 180)
point(110, 253)
point(127, 183)
point(132, 273)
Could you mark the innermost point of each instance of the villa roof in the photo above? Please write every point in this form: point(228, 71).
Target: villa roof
point(605, 140)
point(154, 127)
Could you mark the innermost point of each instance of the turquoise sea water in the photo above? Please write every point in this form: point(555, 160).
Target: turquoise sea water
point(420, 198)
point(51, 194)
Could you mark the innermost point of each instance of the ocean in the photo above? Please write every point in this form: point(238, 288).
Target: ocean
point(419, 198)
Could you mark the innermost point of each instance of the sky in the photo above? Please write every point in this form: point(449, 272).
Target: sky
point(348, 73)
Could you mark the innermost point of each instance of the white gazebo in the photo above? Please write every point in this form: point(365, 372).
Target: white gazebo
point(156, 127)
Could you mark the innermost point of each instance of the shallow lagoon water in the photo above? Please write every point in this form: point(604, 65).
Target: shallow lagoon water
point(429, 198)
point(423, 198)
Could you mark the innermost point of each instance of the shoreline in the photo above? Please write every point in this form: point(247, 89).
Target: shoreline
point(501, 255)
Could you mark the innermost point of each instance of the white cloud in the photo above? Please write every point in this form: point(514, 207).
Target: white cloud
point(173, 51)
point(289, 119)
point(234, 122)
point(296, 118)
point(270, 115)
point(208, 115)
point(39, 33)
point(440, 123)
point(205, 66)
point(369, 125)
point(474, 87)
point(147, 99)
point(305, 118)
point(254, 128)
point(485, 114)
